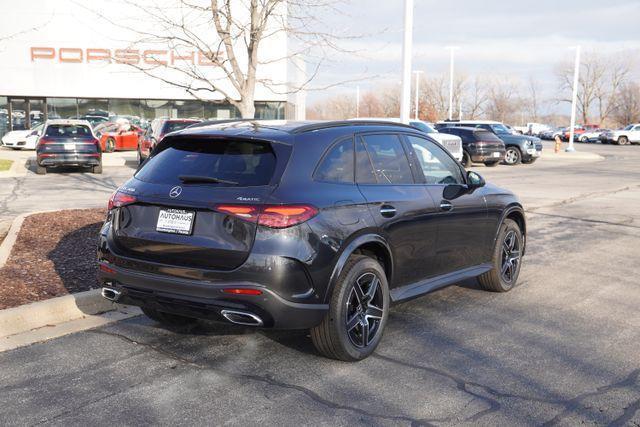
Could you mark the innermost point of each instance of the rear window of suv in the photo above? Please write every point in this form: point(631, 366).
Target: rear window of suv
point(67, 131)
point(242, 162)
point(486, 136)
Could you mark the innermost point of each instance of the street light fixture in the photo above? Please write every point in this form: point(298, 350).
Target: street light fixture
point(574, 99)
point(405, 100)
point(417, 73)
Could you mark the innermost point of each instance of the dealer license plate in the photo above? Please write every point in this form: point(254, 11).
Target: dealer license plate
point(175, 221)
point(496, 154)
point(68, 146)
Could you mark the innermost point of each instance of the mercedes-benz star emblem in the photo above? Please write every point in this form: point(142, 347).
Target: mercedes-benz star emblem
point(175, 192)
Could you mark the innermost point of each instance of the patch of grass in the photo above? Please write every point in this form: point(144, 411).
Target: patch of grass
point(5, 164)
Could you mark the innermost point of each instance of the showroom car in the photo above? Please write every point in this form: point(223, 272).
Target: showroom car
point(304, 225)
point(66, 143)
point(23, 139)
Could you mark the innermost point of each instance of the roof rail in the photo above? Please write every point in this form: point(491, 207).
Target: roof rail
point(219, 122)
point(340, 123)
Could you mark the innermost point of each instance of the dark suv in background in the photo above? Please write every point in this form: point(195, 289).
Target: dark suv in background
point(519, 148)
point(66, 143)
point(156, 131)
point(318, 225)
point(478, 145)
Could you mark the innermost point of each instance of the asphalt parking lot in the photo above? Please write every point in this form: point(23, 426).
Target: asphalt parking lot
point(562, 348)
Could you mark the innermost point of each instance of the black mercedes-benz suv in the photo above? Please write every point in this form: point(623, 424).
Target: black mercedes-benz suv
point(296, 225)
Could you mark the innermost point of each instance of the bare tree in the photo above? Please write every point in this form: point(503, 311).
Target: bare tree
point(476, 100)
point(338, 107)
point(229, 35)
point(599, 81)
point(503, 102)
point(627, 104)
point(533, 100)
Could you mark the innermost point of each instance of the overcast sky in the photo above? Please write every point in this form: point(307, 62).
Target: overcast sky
point(515, 39)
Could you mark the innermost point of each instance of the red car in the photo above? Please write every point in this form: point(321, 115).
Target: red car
point(578, 130)
point(116, 137)
point(158, 129)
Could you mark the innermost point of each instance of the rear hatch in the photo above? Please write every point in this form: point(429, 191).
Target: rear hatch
point(488, 140)
point(183, 196)
point(68, 139)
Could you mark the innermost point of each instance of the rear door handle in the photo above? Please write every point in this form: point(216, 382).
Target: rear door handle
point(387, 211)
point(446, 206)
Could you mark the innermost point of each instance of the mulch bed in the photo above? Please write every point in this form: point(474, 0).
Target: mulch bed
point(54, 254)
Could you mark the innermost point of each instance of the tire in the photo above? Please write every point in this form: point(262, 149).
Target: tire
point(41, 170)
point(491, 164)
point(529, 161)
point(623, 140)
point(498, 279)
point(110, 145)
point(168, 319)
point(466, 159)
point(97, 169)
point(361, 278)
point(513, 156)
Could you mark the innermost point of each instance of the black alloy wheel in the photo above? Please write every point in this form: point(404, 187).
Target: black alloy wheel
point(365, 308)
point(511, 253)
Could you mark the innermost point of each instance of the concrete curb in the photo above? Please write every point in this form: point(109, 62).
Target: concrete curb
point(52, 311)
point(12, 234)
point(571, 157)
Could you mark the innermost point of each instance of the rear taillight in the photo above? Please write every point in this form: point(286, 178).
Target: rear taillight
point(272, 216)
point(119, 199)
point(43, 141)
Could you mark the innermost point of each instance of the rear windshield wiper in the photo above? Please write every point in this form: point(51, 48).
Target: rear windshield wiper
point(203, 178)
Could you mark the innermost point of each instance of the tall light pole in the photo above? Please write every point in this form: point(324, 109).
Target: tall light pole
point(451, 50)
point(574, 99)
point(405, 100)
point(357, 101)
point(417, 73)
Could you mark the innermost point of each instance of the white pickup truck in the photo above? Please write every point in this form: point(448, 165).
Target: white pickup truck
point(628, 135)
point(534, 129)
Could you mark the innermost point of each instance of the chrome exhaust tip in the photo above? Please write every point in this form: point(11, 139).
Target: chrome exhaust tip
point(111, 294)
point(241, 318)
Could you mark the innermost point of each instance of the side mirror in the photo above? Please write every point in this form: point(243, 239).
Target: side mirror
point(474, 180)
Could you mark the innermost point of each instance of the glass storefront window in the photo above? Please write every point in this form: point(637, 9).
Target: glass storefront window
point(62, 108)
point(189, 109)
point(4, 116)
point(220, 111)
point(270, 110)
point(154, 108)
point(94, 107)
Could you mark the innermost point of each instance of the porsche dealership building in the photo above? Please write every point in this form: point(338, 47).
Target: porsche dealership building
point(68, 60)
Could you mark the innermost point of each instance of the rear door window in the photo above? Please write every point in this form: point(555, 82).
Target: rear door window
point(337, 164)
point(388, 158)
point(241, 163)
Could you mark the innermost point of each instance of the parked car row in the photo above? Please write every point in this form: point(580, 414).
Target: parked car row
point(491, 142)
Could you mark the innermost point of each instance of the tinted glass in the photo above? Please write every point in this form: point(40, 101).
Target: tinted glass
point(364, 168)
point(437, 166)
point(499, 128)
point(423, 127)
point(484, 135)
point(67, 131)
point(337, 165)
point(245, 163)
point(175, 126)
point(388, 158)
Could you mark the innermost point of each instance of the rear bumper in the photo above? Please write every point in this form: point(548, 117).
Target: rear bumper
point(53, 159)
point(482, 156)
point(206, 300)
